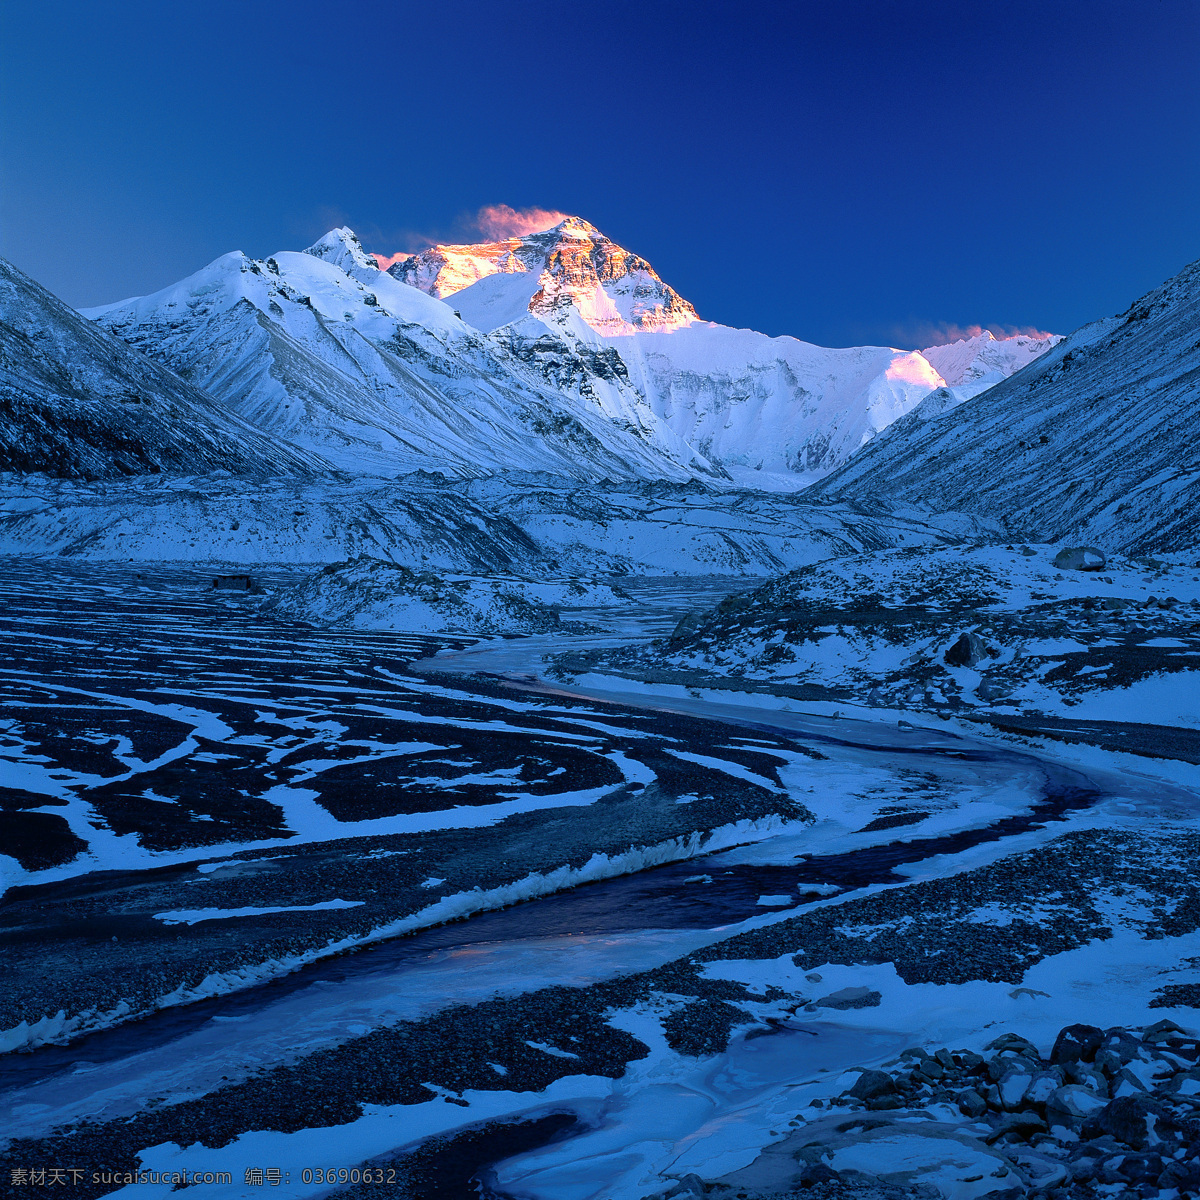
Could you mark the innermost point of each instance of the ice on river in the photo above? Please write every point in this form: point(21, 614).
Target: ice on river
point(338, 740)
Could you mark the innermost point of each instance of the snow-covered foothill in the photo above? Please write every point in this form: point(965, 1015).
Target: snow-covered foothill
point(1001, 629)
point(369, 593)
point(543, 527)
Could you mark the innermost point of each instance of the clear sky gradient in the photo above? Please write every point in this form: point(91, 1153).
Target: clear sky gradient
point(846, 172)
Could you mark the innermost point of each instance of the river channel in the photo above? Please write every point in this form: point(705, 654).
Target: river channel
point(596, 931)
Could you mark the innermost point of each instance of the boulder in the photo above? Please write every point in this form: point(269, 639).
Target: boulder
point(1126, 1083)
point(850, 997)
point(1021, 1123)
point(1129, 1119)
point(1071, 1105)
point(1088, 1074)
point(686, 1188)
point(1182, 1175)
point(232, 583)
point(1141, 1168)
point(871, 1084)
point(1121, 1043)
point(1077, 1043)
point(999, 1065)
point(1160, 1031)
point(968, 651)
point(1014, 1042)
point(931, 1069)
point(1012, 1087)
point(991, 689)
point(1042, 1087)
point(687, 625)
point(971, 1103)
point(1080, 558)
point(817, 1173)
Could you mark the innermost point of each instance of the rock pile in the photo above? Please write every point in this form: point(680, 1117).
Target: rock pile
point(1110, 1112)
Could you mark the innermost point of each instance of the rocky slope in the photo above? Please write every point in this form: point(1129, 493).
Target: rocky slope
point(1093, 442)
point(77, 402)
point(1110, 1109)
point(1015, 636)
point(617, 292)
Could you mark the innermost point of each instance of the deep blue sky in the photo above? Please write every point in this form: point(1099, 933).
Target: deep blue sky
point(842, 171)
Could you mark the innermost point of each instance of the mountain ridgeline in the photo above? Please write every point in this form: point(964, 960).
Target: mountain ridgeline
point(1094, 442)
point(557, 352)
point(561, 353)
point(77, 402)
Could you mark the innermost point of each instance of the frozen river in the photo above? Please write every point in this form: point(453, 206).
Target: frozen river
point(196, 687)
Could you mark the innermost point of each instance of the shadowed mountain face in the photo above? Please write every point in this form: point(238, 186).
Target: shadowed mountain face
point(77, 402)
point(1095, 442)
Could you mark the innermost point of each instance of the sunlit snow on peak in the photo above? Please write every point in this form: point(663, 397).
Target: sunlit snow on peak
point(948, 334)
point(983, 359)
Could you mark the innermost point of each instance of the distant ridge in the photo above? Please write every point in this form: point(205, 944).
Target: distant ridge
point(1095, 442)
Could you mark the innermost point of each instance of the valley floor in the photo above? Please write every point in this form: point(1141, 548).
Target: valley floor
point(295, 899)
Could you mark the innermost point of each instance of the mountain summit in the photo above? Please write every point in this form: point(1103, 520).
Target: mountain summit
point(494, 283)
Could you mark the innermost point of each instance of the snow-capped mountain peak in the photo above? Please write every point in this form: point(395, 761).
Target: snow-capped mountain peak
point(342, 248)
point(323, 349)
point(969, 365)
point(495, 283)
point(555, 350)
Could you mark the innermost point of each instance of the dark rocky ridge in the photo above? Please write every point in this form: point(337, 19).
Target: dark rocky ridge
point(77, 402)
